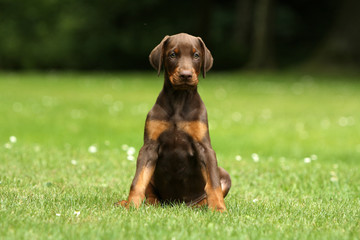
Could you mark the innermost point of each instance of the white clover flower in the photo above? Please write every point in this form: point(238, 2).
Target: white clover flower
point(124, 147)
point(8, 145)
point(236, 116)
point(307, 160)
point(37, 148)
point(334, 179)
point(255, 200)
point(238, 158)
point(130, 158)
point(343, 121)
point(58, 214)
point(92, 149)
point(13, 139)
point(73, 162)
point(131, 151)
point(77, 213)
point(255, 157)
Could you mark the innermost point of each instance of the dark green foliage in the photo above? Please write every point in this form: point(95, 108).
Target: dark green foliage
point(119, 34)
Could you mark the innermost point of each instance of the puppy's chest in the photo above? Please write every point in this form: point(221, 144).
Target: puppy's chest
point(176, 131)
point(176, 152)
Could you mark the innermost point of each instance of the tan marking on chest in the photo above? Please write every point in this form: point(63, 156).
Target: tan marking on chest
point(155, 128)
point(196, 129)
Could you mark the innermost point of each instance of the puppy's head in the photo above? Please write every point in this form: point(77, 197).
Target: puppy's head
point(183, 57)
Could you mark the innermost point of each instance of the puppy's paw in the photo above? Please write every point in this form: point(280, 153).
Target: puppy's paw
point(122, 203)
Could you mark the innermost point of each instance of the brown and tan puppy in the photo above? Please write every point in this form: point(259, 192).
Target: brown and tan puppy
point(177, 162)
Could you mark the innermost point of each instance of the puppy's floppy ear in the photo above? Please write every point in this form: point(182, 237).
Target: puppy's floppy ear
point(156, 55)
point(207, 59)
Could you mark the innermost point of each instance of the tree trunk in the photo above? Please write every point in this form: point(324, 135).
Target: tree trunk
point(262, 52)
point(242, 23)
point(205, 19)
point(342, 46)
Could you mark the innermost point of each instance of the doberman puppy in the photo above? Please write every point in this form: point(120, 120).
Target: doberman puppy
point(177, 162)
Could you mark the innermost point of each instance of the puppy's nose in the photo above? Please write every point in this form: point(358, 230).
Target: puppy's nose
point(186, 75)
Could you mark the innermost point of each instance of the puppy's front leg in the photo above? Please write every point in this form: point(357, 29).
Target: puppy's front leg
point(145, 167)
point(210, 172)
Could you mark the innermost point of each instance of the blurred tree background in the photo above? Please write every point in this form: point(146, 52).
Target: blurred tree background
point(119, 34)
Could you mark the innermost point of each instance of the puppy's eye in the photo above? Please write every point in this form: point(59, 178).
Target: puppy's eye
point(196, 55)
point(172, 55)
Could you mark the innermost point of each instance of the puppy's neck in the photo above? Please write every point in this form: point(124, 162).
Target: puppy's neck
point(176, 101)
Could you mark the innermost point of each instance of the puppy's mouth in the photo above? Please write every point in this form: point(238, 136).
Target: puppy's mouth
point(180, 83)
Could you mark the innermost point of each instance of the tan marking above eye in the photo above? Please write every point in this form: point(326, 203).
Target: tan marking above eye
point(176, 50)
point(154, 128)
point(196, 129)
point(193, 50)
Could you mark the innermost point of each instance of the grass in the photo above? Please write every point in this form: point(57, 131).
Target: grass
point(303, 130)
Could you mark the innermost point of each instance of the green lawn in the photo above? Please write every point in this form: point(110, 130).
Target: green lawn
point(290, 142)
